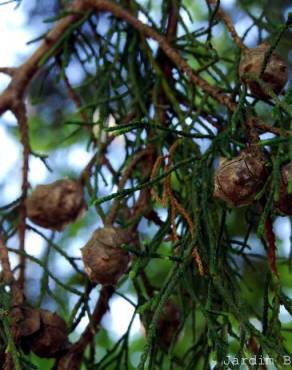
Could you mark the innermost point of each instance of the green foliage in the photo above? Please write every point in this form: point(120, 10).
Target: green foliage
point(212, 260)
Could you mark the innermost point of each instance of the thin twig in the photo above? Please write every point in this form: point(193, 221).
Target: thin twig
point(7, 275)
point(229, 25)
point(20, 113)
point(73, 357)
point(271, 246)
point(8, 70)
point(134, 162)
point(75, 98)
point(23, 75)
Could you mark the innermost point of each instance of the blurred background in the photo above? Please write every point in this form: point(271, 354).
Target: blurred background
point(62, 150)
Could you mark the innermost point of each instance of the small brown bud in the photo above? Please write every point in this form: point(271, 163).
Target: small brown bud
point(285, 199)
point(275, 74)
point(237, 181)
point(104, 261)
point(51, 339)
point(55, 205)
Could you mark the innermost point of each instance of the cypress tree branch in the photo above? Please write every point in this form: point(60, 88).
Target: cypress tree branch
point(172, 54)
point(191, 256)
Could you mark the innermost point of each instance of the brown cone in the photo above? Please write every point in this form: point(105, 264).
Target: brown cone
point(51, 339)
point(104, 261)
point(26, 321)
point(39, 331)
point(168, 323)
point(275, 74)
point(285, 199)
point(55, 205)
point(237, 181)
